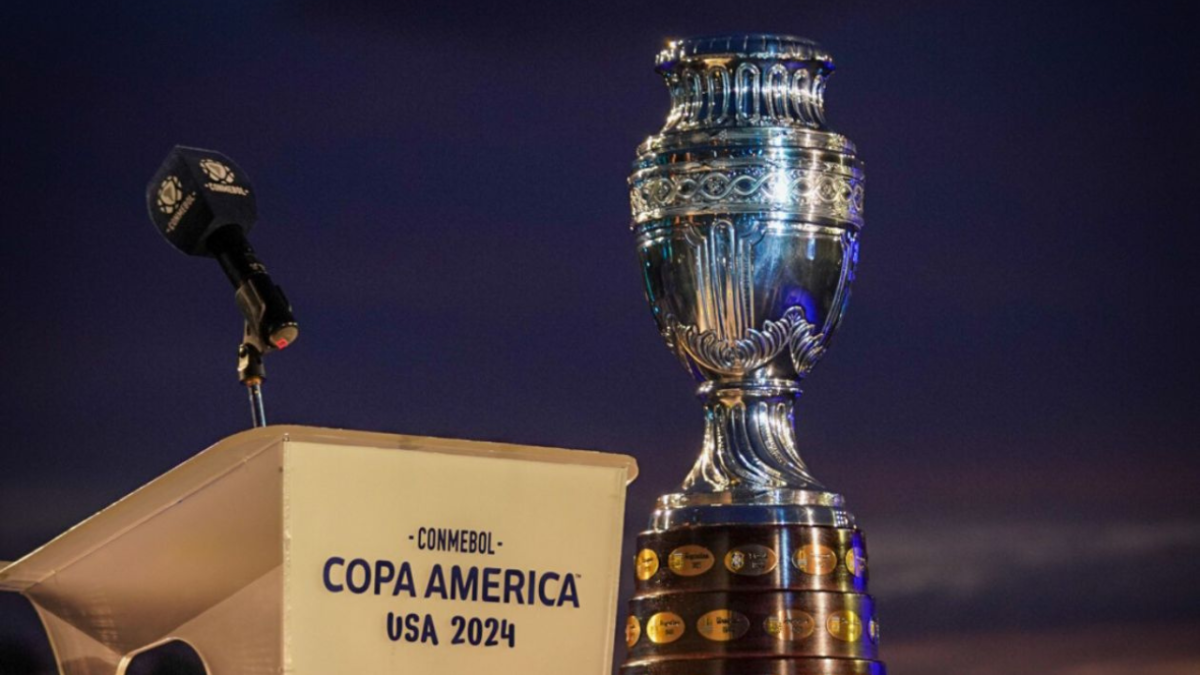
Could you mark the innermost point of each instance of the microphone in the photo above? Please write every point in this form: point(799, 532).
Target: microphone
point(203, 205)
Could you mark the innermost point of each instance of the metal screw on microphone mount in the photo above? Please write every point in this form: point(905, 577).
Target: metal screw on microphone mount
point(252, 372)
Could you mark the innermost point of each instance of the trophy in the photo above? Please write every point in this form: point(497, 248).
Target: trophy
point(747, 211)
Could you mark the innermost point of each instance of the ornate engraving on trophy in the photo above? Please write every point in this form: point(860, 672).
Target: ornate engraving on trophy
point(690, 560)
point(665, 628)
point(722, 625)
point(754, 348)
point(714, 94)
point(819, 187)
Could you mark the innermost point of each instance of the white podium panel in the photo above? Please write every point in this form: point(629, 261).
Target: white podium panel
point(307, 551)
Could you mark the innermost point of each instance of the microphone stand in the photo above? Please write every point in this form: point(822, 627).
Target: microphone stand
point(252, 372)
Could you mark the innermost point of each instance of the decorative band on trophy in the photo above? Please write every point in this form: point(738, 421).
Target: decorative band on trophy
point(817, 558)
point(690, 560)
point(805, 624)
point(722, 625)
point(751, 560)
point(665, 628)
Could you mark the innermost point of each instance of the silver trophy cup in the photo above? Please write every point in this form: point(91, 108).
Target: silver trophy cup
point(747, 211)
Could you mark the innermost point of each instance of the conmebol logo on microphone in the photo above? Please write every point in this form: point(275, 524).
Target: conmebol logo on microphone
point(217, 171)
point(172, 201)
point(220, 178)
point(170, 193)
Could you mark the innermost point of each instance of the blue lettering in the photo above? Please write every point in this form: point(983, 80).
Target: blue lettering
point(329, 564)
point(513, 583)
point(405, 581)
point(429, 634)
point(542, 588)
point(358, 563)
point(382, 566)
point(490, 584)
point(464, 588)
point(437, 583)
point(569, 592)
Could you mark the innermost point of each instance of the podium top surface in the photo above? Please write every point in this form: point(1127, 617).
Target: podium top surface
point(227, 456)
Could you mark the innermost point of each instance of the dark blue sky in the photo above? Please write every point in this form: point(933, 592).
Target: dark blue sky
point(1009, 406)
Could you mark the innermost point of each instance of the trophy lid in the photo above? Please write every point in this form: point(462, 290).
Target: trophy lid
point(731, 46)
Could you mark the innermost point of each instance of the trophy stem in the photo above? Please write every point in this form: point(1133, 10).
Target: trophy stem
point(749, 440)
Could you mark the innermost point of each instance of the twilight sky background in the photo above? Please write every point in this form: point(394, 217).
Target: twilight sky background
point(1010, 406)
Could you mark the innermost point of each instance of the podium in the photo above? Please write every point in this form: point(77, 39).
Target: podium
point(310, 551)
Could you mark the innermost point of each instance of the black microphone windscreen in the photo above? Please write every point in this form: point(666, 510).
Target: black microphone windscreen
point(194, 193)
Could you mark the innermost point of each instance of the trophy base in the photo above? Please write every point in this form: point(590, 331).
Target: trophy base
point(766, 582)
